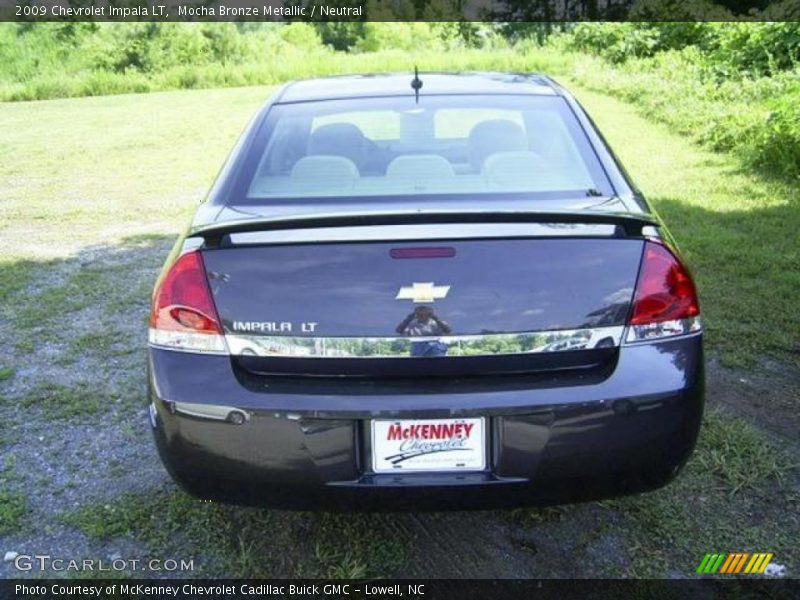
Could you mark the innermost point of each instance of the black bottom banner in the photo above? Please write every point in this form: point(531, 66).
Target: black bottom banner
point(429, 589)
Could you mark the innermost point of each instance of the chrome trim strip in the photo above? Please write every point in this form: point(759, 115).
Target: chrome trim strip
point(385, 233)
point(187, 341)
point(187, 350)
point(663, 330)
point(498, 344)
point(213, 412)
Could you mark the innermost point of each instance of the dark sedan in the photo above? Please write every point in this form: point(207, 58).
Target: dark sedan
point(432, 292)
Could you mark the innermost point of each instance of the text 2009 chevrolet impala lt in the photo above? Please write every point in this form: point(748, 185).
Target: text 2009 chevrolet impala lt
point(441, 295)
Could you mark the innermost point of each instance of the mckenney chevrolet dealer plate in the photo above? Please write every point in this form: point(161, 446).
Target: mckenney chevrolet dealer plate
point(428, 445)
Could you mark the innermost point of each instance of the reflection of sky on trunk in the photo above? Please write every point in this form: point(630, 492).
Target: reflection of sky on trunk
point(496, 285)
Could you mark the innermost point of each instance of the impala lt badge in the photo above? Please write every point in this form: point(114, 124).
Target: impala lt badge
point(422, 292)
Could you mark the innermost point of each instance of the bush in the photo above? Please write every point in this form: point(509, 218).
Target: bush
point(685, 14)
point(776, 141)
point(616, 42)
point(732, 48)
point(398, 36)
point(301, 35)
point(341, 35)
point(756, 118)
point(225, 43)
point(758, 48)
point(733, 86)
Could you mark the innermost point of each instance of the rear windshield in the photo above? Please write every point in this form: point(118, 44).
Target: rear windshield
point(445, 145)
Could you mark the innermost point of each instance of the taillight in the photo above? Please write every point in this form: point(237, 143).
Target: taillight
point(183, 315)
point(665, 302)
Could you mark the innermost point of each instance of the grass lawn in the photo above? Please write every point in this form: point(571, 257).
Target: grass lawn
point(95, 171)
point(93, 191)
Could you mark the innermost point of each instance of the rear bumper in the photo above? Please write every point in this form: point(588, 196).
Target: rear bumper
point(550, 439)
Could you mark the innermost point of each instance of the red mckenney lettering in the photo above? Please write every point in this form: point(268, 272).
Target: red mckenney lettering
point(429, 431)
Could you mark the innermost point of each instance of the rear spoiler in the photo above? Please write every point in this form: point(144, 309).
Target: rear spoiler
point(628, 224)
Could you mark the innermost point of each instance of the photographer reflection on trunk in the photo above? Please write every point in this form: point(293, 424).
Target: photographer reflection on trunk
point(423, 322)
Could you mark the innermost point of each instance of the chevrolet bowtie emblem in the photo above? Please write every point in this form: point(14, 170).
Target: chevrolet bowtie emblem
point(422, 292)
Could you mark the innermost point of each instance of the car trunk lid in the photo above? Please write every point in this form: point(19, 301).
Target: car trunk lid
point(495, 298)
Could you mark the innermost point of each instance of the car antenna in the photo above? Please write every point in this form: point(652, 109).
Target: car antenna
point(416, 83)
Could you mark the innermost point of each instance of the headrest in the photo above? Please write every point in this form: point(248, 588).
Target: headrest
point(337, 139)
point(512, 168)
point(325, 172)
point(494, 135)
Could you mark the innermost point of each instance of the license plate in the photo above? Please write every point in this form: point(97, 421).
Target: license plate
point(428, 445)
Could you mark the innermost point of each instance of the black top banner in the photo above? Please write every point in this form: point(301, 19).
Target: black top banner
point(548, 11)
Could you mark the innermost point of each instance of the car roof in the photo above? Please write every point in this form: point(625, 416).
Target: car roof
point(399, 84)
